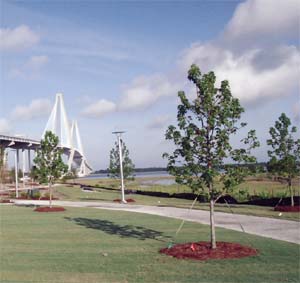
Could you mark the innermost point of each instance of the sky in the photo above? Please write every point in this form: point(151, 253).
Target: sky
point(120, 65)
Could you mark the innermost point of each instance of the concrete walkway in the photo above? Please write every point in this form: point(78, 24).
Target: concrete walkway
point(278, 229)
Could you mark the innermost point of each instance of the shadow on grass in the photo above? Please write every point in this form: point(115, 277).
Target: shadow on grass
point(26, 205)
point(126, 231)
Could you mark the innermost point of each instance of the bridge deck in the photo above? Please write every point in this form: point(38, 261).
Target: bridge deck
point(18, 143)
point(30, 144)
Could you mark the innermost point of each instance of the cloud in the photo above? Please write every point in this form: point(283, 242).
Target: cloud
point(31, 68)
point(145, 91)
point(84, 99)
point(4, 126)
point(36, 109)
point(159, 122)
point(20, 38)
point(36, 62)
point(262, 20)
point(253, 74)
point(296, 112)
point(99, 109)
point(256, 69)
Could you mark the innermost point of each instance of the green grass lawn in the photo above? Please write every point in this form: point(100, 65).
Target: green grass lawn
point(76, 194)
point(90, 245)
point(253, 186)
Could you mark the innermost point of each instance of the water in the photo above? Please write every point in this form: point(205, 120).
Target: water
point(137, 175)
point(164, 182)
point(153, 174)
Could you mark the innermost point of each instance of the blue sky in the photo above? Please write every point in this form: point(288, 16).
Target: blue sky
point(120, 65)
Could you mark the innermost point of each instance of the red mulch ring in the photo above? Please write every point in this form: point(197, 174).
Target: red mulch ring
point(288, 208)
point(128, 200)
point(5, 201)
point(202, 251)
point(49, 209)
point(43, 198)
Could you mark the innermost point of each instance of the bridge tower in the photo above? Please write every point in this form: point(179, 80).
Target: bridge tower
point(69, 136)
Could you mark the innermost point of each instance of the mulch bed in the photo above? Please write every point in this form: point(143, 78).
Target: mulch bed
point(5, 201)
point(49, 209)
point(202, 251)
point(285, 208)
point(31, 198)
point(128, 200)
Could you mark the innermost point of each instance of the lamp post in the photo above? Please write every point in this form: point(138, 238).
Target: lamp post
point(118, 134)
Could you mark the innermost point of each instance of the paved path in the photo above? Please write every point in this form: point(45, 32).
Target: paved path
point(278, 229)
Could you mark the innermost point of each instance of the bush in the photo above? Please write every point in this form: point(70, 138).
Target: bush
point(24, 195)
point(36, 195)
point(242, 195)
point(46, 196)
point(264, 195)
point(12, 194)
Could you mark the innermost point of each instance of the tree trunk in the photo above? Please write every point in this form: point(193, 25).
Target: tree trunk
point(291, 192)
point(212, 225)
point(50, 194)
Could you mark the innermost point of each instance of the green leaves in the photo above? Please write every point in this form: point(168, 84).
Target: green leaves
point(48, 162)
point(202, 137)
point(285, 152)
point(194, 74)
point(114, 163)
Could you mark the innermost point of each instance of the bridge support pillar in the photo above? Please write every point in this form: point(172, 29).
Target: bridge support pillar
point(23, 166)
point(17, 171)
point(29, 161)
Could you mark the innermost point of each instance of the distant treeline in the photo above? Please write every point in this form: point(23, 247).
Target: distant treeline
point(257, 167)
point(136, 170)
point(254, 167)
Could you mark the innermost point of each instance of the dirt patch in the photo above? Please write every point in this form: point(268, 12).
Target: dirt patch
point(128, 200)
point(49, 209)
point(202, 251)
point(287, 208)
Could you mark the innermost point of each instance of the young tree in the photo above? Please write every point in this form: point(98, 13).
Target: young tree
point(202, 141)
point(285, 153)
point(114, 163)
point(49, 165)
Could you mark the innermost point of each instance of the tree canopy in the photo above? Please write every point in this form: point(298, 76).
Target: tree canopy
point(285, 151)
point(49, 165)
point(114, 163)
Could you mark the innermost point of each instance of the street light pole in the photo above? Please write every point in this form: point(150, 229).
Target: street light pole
point(121, 165)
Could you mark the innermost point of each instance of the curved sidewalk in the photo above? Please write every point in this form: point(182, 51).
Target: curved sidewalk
point(278, 229)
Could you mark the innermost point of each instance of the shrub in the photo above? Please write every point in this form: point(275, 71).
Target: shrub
point(23, 195)
point(12, 194)
point(264, 195)
point(46, 196)
point(36, 195)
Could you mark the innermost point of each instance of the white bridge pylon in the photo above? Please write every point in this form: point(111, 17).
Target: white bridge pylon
point(69, 136)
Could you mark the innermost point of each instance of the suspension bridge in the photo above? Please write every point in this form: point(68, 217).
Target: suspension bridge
point(69, 138)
